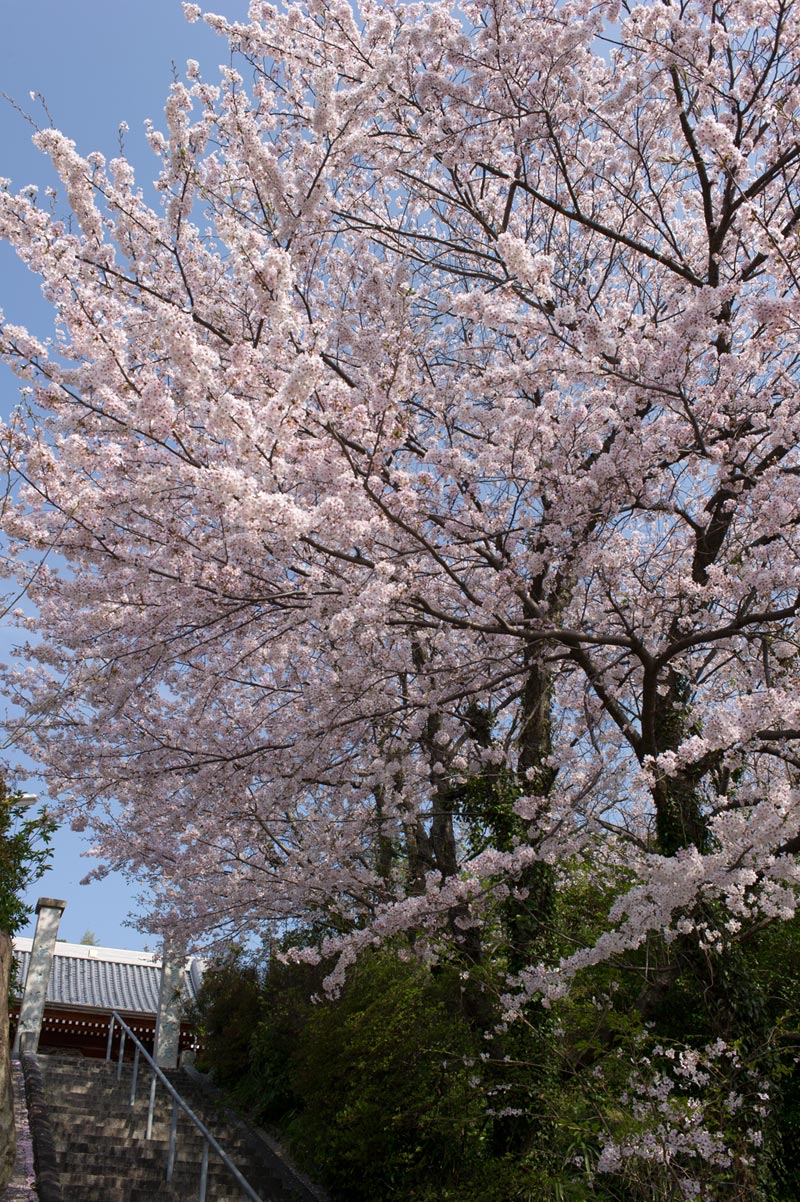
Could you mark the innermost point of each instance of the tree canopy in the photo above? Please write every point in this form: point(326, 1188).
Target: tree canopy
point(424, 467)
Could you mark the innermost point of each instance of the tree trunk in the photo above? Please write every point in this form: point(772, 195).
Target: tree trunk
point(529, 922)
point(7, 1130)
point(679, 816)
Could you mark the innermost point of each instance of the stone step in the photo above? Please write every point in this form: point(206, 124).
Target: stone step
point(85, 1137)
point(182, 1180)
point(154, 1167)
point(105, 1156)
point(78, 1157)
point(135, 1131)
point(133, 1115)
point(156, 1156)
point(122, 1109)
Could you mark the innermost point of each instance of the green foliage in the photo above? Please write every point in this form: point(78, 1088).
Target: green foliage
point(24, 855)
point(384, 1073)
point(287, 1007)
point(226, 1013)
point(394, 1090)
point(775, 968)
point(486, 809)
point(388, 1090)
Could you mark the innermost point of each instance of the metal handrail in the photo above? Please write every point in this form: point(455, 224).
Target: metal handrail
point(177, 1100)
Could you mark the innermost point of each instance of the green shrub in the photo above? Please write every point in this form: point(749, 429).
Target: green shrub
point(226, 1013)
point(387, 1076)
point(394, 1090)
point(286, 1008)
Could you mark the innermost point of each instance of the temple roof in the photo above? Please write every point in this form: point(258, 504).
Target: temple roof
point(105, 978)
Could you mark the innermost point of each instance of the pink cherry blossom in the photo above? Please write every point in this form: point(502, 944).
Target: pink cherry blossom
point(441, 422)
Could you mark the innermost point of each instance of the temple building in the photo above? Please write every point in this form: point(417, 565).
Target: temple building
point(86, 984)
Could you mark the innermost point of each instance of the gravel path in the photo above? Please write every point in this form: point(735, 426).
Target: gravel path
point(22, 1187)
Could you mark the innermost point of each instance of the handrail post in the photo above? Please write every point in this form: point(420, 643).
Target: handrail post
point(135, 1075)
point(121, 1053)
point(201, 1197)
point(151, 1107)
point(209, 1142)
point(173, 1131)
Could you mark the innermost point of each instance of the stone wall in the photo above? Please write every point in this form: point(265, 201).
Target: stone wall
point(7, 1140)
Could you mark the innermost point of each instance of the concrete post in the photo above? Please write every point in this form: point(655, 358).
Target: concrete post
point(170, 1005)
point(31, 1012)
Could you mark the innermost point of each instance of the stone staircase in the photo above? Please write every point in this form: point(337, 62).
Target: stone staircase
point(103, 1155)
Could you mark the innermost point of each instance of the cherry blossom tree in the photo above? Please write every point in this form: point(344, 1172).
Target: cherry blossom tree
point(423, 474)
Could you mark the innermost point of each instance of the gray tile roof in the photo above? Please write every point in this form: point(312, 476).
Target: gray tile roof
point(106, 979)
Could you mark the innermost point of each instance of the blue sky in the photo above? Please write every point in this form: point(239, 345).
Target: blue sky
point(97, 63)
